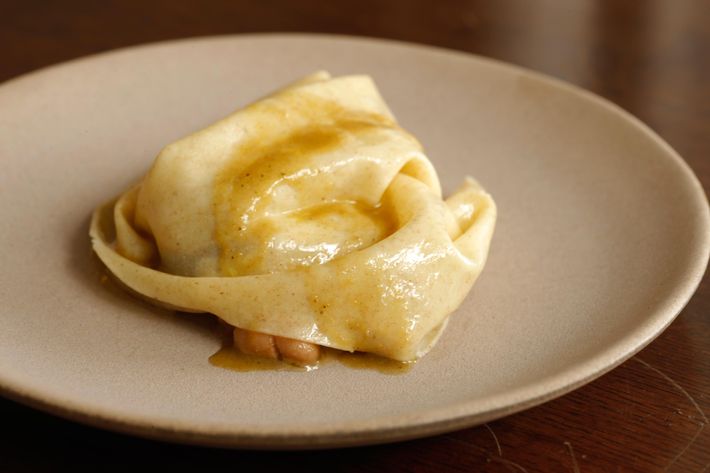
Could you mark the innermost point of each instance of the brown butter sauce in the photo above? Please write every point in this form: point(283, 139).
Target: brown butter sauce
point(230, 358)
point(269, 154)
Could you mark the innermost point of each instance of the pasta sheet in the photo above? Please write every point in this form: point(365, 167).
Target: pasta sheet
point(309, 214)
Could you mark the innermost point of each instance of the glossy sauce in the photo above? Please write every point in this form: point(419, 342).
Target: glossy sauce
point(230, 358)
point(275, 165)
point(367, 361)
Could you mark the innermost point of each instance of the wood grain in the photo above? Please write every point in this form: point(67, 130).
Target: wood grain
point(650, 57)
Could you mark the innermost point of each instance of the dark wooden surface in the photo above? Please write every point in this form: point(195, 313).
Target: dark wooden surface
point(650, 57)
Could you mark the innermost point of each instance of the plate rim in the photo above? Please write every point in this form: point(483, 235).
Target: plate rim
point(383, 429)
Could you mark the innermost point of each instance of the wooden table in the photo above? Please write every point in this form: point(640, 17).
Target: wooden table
point(650, 57)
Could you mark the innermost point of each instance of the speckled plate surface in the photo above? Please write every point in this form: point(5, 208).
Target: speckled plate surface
point(602, 237)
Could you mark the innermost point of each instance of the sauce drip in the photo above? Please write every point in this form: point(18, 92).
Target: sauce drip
point(230, 358)
point(369, 362)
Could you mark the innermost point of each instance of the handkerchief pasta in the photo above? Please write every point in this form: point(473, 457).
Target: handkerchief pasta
point(309, 214)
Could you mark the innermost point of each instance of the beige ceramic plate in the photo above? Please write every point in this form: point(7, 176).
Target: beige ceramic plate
point(602, 238)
